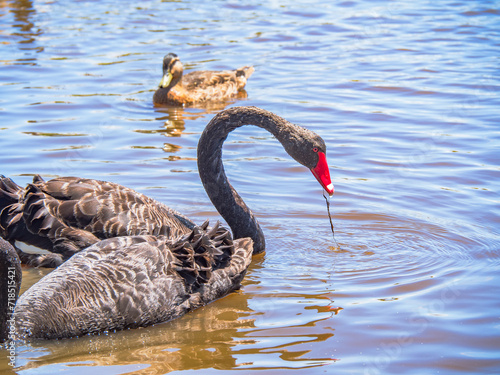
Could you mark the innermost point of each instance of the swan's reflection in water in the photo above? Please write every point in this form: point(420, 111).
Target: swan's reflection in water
point(239, 330)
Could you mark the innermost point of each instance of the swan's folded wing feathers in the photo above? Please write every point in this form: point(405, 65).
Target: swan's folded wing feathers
point(13, 225)
point(127, 282)
point(38, 179)
point(198, 240)
point(204, 226)
point(68, 188)
point(198, 254)
point(40, 213)
point(10, 217)
point(68, 241)
point(229, 277)
point(221, 236)
point(190, 276)
point(85, 210)
point(212, 231)
point(10, 192)
point(103, 209)
point(67, 210)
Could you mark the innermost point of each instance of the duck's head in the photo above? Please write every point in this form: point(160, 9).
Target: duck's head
point(172, 71)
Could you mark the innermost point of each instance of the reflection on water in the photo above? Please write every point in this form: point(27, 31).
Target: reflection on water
point(405, 95)
point(223, 333)
point(166, 347)
point(25, 31)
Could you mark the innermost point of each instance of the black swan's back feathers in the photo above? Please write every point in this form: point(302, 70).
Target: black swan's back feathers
point(200, 253)
point(68, 214)
point(12, 224)
point(133, 281)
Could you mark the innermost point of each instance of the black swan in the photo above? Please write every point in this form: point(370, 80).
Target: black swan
point(199, 86)
point(67, 214)
point(121, 282)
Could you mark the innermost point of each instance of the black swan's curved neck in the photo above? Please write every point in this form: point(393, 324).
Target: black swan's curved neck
point(10, 282)
point(225, 199)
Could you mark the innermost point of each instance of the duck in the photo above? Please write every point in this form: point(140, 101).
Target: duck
point(121, 283)
point(200, 86)
point(68, 214)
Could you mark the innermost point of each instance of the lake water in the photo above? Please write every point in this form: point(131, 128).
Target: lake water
point(406, 96)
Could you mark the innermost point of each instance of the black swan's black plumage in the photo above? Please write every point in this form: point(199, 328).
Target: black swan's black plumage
point(124, 282)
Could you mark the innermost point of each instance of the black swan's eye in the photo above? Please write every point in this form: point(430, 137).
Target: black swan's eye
point(315, 149)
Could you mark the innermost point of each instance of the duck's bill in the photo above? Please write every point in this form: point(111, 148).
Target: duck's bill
point(322, 173)
point(165, 81)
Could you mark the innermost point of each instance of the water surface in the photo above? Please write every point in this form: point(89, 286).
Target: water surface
point(406, 96)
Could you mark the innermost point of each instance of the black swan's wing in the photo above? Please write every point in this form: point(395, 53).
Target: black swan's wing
point(133, 281)
point(67, 214)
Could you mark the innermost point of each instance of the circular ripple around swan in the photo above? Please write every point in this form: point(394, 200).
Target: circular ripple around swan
point(393, 255)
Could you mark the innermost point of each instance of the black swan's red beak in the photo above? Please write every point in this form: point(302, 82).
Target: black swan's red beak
point(322, 173)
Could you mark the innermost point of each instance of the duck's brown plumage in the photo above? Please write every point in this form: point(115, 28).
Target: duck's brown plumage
point(127, 282)
point(200, 86)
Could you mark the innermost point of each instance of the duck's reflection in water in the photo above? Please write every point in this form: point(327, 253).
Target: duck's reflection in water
point(173, 118)
point(173, 121)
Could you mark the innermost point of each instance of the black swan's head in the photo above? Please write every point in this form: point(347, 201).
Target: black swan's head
point(309, 149)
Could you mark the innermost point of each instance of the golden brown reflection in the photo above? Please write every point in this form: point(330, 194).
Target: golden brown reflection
point(202, 337)
point(176, 116)
point(223, 335)
point(209, 106)
point(175, 120)
point(23, 10)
